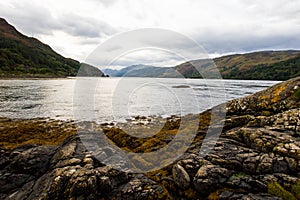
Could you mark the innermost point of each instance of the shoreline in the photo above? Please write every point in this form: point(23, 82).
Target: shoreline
point(32, 128)
point(134, 121)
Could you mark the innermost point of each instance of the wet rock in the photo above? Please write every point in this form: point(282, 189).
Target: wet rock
point(34, 161)
point(265, 165)
point(10, 182)
point(139, 187)
point(180, 176)
point(280, 165)
point(227, 195)
point(210, 177)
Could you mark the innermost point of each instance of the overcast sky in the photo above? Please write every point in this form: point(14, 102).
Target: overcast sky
point(74, 28)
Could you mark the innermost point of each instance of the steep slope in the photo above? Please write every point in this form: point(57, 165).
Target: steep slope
point(22, 56)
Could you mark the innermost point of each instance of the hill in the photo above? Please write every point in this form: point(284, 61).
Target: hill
point(264, 65)
point(22, 56)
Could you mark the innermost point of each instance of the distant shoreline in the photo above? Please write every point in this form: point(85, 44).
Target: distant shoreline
point(41, 78)
point(30, 78)
point(73, 77)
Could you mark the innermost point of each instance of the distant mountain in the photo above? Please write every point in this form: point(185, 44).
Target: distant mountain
point(110, 72)
point(22, 56)
point(143, 71)
point(264, 65)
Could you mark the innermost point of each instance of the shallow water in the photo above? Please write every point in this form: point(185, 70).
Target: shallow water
point(117, 99)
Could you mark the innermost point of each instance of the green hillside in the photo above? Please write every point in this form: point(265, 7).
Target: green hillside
point(22, 56)
point(283, 70)
point(265, 65)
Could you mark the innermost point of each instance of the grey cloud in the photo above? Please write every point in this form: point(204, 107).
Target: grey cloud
point(106, 3)
point(249, 43)
point(265, 33)
point(30, 19)
point(39, 20)
point(113, 48)
point(89, 41)
point(84, 26)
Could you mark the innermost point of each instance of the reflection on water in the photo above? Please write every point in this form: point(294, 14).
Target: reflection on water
point(118, 98)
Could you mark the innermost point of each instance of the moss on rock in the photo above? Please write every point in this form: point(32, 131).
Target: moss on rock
point(19, 132)
point(276, 189)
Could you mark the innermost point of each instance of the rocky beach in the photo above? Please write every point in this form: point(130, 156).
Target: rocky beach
point(257, 156)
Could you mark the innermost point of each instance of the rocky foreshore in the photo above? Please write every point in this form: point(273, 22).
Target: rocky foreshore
point(257, 156)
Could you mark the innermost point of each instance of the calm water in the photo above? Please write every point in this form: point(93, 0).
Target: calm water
point(117, 99)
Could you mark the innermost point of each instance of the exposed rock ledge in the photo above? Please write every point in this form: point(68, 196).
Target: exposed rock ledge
point(256, 157)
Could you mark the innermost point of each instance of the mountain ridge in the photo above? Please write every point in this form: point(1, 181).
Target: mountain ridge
point(235, 66)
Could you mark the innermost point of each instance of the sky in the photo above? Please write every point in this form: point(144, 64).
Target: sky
point(75, 28)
